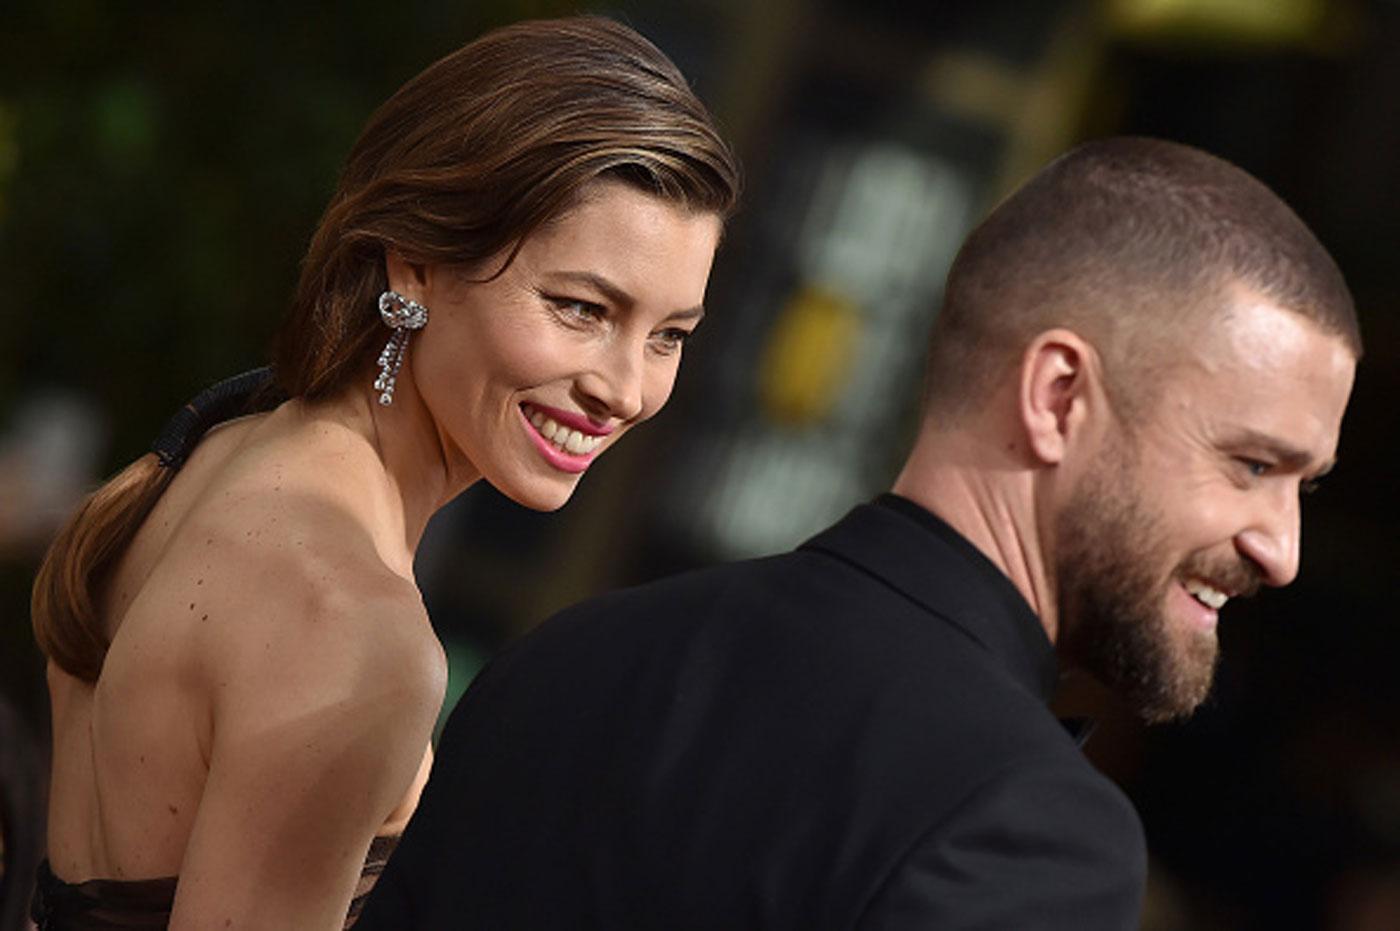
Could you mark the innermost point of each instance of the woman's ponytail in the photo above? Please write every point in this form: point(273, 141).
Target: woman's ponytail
point(68, 591)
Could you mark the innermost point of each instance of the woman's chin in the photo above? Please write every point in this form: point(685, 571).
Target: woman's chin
point(540, 495)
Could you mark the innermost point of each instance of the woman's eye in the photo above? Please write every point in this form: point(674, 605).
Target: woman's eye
point(672, 339)
point(578, 311)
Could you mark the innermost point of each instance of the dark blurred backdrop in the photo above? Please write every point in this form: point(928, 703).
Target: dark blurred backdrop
point(162, 166)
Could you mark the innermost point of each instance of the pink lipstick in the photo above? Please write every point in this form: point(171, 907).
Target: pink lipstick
point(567, 440)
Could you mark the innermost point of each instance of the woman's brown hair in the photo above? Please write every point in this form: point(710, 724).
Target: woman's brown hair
point(459, 166)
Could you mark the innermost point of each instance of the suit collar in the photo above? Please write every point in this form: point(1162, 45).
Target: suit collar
point(920, 556)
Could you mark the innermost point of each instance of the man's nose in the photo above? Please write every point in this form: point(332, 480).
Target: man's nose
point(1271, 540)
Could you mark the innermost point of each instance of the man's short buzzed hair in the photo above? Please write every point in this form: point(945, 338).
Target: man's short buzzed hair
point(1135, 244)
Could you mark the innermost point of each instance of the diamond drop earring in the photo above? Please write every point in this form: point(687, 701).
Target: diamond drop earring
point(402, 316)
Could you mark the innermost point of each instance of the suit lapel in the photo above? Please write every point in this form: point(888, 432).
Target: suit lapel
point(925, 560)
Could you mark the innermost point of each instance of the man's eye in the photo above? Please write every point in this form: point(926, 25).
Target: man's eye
point(1255, 467)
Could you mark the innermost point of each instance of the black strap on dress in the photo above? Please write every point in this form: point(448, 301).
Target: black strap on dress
point(248, 393)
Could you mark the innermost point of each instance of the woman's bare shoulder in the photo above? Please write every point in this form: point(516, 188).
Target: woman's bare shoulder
point(279, 566)
point(298, 585)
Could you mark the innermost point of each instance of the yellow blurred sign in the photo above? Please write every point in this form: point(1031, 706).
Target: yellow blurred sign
point(807, 360)
point(1254, 22)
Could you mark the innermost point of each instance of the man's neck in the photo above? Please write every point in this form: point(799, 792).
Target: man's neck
point(985, 491)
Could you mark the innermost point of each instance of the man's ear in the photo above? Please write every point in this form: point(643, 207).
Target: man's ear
point(408, 278)
point(1060, 390)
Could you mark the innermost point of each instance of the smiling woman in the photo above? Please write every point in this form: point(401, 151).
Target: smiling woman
point(581, 331)
point(243, 678)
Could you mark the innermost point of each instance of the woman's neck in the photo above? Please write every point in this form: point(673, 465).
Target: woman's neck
point(421, 472)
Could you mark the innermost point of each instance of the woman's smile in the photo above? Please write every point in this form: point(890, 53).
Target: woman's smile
point(568, 441)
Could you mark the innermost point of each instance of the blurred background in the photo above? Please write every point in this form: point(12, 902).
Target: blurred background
point(162, 166)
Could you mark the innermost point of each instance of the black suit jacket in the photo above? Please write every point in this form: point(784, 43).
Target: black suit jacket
point(851, 735)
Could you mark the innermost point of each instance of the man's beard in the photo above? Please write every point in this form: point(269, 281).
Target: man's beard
point(1113, 602)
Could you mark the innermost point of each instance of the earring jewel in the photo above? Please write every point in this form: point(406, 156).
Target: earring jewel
point(403, 316)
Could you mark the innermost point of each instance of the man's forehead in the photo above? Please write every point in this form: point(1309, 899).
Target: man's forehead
point(1266, 335)
point(1265, 376)
point(1249, 333)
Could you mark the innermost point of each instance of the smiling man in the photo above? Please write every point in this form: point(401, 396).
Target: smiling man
point(1142, 359)
point(1199, 503)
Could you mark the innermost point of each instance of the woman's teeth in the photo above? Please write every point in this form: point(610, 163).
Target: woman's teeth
point(1210, 597)
point(566, 438)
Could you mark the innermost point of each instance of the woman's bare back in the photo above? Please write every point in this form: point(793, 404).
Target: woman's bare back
point(271, 557)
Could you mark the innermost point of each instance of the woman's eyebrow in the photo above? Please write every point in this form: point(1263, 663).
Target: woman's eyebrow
point(616, 294)
point(603, 286)
point(690, 313)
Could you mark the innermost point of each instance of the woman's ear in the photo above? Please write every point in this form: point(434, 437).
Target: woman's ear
point(1061, 393)
point(407, 278)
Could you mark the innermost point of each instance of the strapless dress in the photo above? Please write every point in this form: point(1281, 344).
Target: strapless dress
point(144, 904)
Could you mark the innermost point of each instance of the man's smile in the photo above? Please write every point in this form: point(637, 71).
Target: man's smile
point(1206, 594)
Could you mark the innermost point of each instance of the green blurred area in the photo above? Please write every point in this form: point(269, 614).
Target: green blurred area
point(162, 167)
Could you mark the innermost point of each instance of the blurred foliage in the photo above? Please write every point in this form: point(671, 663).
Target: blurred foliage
point(162, 167)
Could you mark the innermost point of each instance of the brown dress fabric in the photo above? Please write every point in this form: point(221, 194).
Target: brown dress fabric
point(144, 904)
